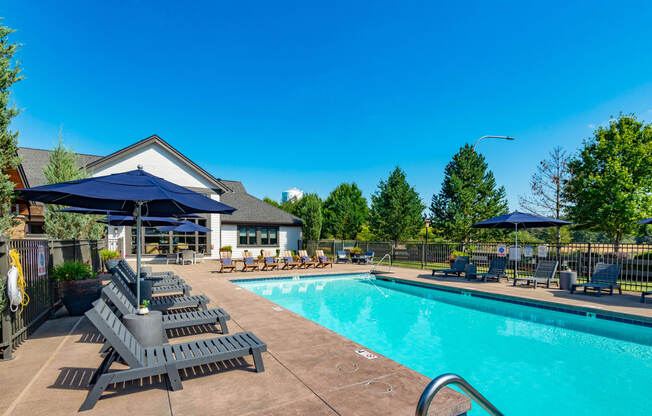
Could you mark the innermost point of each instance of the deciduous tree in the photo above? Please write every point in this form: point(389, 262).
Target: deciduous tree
point(309, 209)
point(345, 211)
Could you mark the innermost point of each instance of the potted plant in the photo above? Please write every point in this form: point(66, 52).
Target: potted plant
point(143, 310)
point(453, 256)
point(78, 286)
point(108, 255)
point(226, 248)
point(355, 252)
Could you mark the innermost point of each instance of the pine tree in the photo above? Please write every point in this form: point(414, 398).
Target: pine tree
point(9, 159)
point(345, 211)
point(468, 195)
point(63, 166)
point(396, 209)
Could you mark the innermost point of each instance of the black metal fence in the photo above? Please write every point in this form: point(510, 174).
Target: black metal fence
point(15, 327)
point(635, 259)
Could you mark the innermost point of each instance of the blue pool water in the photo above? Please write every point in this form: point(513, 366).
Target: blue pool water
point(527, 361)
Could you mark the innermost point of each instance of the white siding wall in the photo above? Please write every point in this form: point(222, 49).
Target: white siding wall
point(214, 225)
point(288, 239)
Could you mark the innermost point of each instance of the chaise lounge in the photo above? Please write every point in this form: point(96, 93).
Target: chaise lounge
point(457, 268)
point(496, 270)
point(288, 261)
point(160, 286)
point(342, 257)
point(164, 360)
point(268, 261)
point(605, 276)
point(226, 263)
point(545, 273)
point(323, 261)
point(306, 262)
point(249, 263)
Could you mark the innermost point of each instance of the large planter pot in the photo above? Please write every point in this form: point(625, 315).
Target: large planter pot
point(78, 295)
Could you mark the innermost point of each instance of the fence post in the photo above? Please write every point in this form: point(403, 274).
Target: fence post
point(423, 254)
point(590, 268)
point(6, 314)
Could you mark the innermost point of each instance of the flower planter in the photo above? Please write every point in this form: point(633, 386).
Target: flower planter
point(78, 295)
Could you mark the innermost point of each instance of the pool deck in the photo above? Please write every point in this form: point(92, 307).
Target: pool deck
point(308, 368)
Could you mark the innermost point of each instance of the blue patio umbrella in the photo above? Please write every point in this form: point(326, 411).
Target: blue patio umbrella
point(522, 219)
point(129, 220)
point(645, 221)
point(184, 227)
point(91, 211)
point(132, 191)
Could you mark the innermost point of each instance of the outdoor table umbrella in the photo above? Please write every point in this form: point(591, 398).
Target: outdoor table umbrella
point(645, 221)
point(130, 191)
point(129, 220)
point(184, 227)
point(516, 219)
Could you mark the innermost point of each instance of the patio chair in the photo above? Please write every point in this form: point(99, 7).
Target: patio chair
point(172, 257)
point(605, 276)
point(226, 263)
point(187, 256)
point(323, 261)
point(250, 263)
point(342, 257)
point(269, 263)
point(644, 294)
point(306, 261)
point(159, 287)
point(164, 360)
point(161, 303)
point(496, 270)
point(457, 268)
point(368, 257)
point(288, 261)
point(545, 273)
point(215, 316)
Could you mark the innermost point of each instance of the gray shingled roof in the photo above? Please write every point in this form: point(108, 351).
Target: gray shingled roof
point(252, 210)
point(35, 160)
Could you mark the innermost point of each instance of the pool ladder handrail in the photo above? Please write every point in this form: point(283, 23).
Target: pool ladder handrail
point(443, 380)
point(373, 268)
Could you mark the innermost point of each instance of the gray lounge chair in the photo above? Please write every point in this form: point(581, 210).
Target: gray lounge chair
point(159, 287)
point(170, 321)
point(605, 276)
point(496, 270)
point(157, 279)
point(545, 273)
point(644, 294)
point(162, 303)
point(458, 267)
point(165, 360)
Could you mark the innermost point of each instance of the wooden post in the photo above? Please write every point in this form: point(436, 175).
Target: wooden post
point(6, 314)
point(423, 254)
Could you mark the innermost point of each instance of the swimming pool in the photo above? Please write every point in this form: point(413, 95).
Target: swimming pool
point(527, 361)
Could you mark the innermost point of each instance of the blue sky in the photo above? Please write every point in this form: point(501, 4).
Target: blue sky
point(307, 94)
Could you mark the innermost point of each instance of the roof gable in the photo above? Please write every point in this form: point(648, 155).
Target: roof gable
point(251, 210)
point(35, 160)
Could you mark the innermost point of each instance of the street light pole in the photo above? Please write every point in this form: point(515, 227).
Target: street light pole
point(491, 137)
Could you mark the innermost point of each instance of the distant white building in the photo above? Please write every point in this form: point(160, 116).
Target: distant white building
point(292, 193)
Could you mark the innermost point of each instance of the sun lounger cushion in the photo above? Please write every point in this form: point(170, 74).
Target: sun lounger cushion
point(227, 262)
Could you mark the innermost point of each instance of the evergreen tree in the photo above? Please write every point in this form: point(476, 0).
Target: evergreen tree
point(611, 179)
point(468, 195)
point(63, 166)
point(9, 159)
point(345, 211)
point(309, 209)
point(396, 209)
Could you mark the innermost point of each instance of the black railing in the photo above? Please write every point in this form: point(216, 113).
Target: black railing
point(635, 259)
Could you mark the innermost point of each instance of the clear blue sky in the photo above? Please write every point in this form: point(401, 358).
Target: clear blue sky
point(281, 94)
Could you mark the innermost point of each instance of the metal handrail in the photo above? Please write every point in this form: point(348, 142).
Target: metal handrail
point(373, 269)
point(438, 383)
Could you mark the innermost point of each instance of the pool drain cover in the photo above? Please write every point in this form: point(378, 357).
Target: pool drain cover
point(347, 367)
point(379, 387)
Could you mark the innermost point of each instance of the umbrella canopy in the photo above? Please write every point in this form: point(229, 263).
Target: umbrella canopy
point(516, 219)
point(128, 220)
point(645, 221)
point(124, 192)
point(519, 219)
point(92, 211)
point(130, 191)
point(184, 227)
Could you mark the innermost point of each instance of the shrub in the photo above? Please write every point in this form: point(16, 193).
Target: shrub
point(456, 253)
point(72, 270)
point(226, 248)
point(109, 254)
point(356, 250)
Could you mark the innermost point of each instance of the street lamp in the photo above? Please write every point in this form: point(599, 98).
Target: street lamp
point(491, 137)
point(427, 222)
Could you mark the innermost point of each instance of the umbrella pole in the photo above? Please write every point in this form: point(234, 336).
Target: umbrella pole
point(517, 252)
point(138, 238)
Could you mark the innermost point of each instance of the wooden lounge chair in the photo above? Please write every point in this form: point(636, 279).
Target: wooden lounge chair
point(123, 305)
point(306, 261)
point(226, 263)
point(249, 263)
point(160, 286)
point(162, 303)
point(457, 269)
point(497, 269)
point(323, 261)
point(288, 261)
point(605, 276)
point(342, 257)
point(165, 360)
point(268, 261)
point(545, 273)
point(644, 294)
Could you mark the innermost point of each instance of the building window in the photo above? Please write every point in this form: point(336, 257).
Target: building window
point(156, 242)
point(249, 235)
